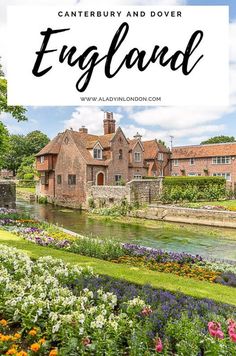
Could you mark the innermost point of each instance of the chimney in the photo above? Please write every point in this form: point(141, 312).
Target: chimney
point(83, 129)
point(138, 136)
point(109, 123)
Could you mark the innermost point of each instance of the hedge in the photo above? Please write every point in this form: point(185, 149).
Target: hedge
point(193, 181)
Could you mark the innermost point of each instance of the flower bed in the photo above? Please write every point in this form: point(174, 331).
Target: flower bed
point(181, 264)
point(50, 308)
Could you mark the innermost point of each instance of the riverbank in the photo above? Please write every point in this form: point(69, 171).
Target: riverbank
point(215, 231)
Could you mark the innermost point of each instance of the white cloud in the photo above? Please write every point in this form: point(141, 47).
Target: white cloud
point(90, 117)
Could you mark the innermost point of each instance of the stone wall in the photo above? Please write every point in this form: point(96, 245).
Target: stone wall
point(145, 190)
point(142, 191)
point(7, 194)
point(187, 215)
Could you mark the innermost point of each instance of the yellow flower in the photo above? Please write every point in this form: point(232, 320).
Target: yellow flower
point(3, 322)
point(42, 341)
point(32, 332)
point(11, 351)
point(53, 352)
point(22, 353)
point(17, 336)
point(35, 347)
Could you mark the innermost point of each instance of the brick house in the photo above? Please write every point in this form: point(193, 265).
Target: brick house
point(75, 158)
point(205, 160)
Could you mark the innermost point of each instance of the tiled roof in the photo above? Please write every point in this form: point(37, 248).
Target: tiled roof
point(200, 151)
point(53, 147)
point(152, 147)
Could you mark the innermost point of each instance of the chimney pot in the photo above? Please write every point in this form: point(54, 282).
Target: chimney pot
point(83, 129)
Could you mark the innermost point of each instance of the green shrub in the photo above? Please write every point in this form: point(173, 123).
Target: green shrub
point(91, 203)
point(42, 200)
point(29, 176)
point(192, 189)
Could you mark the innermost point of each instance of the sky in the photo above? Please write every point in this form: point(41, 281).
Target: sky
point(188, 125)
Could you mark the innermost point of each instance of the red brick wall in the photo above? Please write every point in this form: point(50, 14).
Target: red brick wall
point(118, 166)
point(69, 161)
point(204, 167)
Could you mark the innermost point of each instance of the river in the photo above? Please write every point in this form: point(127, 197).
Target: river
point(215, 243)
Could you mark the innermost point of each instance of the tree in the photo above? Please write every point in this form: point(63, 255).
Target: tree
point(219, 139)
point(18, 112)
point(27, 167)
point(21, 147)
point(162, 143)
point(35, 141)
point(4, 138)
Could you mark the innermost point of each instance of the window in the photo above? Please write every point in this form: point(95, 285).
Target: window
point(137, 156)
point(227, 176)
point(97, 153)
point(192, 174)
point(71, 179)
point(120, 154)
point(137, 176)
point(41, 159)
point(176, 162)
point(174, 174)
point(44, 178)
point(192, 161)
point(221, 160)
point(58, 179)
point(118, 179)
point(160, 156)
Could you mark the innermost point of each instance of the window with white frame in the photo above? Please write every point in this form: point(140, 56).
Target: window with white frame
point(192, 161)
point(137, 176)
point(97, 153)
point(160, 156)
point(41, 159)
point(174, 174)
point(221, 160)
point(176, 162)
point(137, 156)
point(227, 175)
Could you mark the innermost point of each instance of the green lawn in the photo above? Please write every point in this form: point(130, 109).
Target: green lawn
point(229, 204)
point(170, 282)
point(25, 190)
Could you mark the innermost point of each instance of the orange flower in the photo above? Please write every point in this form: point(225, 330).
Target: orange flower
point(32, 332)
point(11, 351)
point(17, 335)
point(3, 322)
point(42, 341)
point(35, 347)
point(22, 353)
point(53, 352)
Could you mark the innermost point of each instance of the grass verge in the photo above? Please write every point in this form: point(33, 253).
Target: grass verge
point(136, 275)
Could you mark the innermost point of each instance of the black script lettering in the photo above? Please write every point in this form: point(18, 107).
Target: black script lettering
point(47, 34)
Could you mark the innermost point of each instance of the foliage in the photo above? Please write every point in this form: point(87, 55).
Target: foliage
point(91, 203)
point(17, 112)
point(193, 189)
point(22, 150)
point(218, 139)
point(4, 138)
point(26, 168)
point(121, 209)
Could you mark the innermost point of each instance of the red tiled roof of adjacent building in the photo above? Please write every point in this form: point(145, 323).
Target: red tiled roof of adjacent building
point(200, 151)
point(152, 147)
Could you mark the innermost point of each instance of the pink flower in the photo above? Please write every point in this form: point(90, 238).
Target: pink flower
point(215, 330)
point(146, 311)
point(158, 345)
point(232, 330)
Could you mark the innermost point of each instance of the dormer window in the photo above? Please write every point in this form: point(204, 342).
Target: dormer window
point(97, 153)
